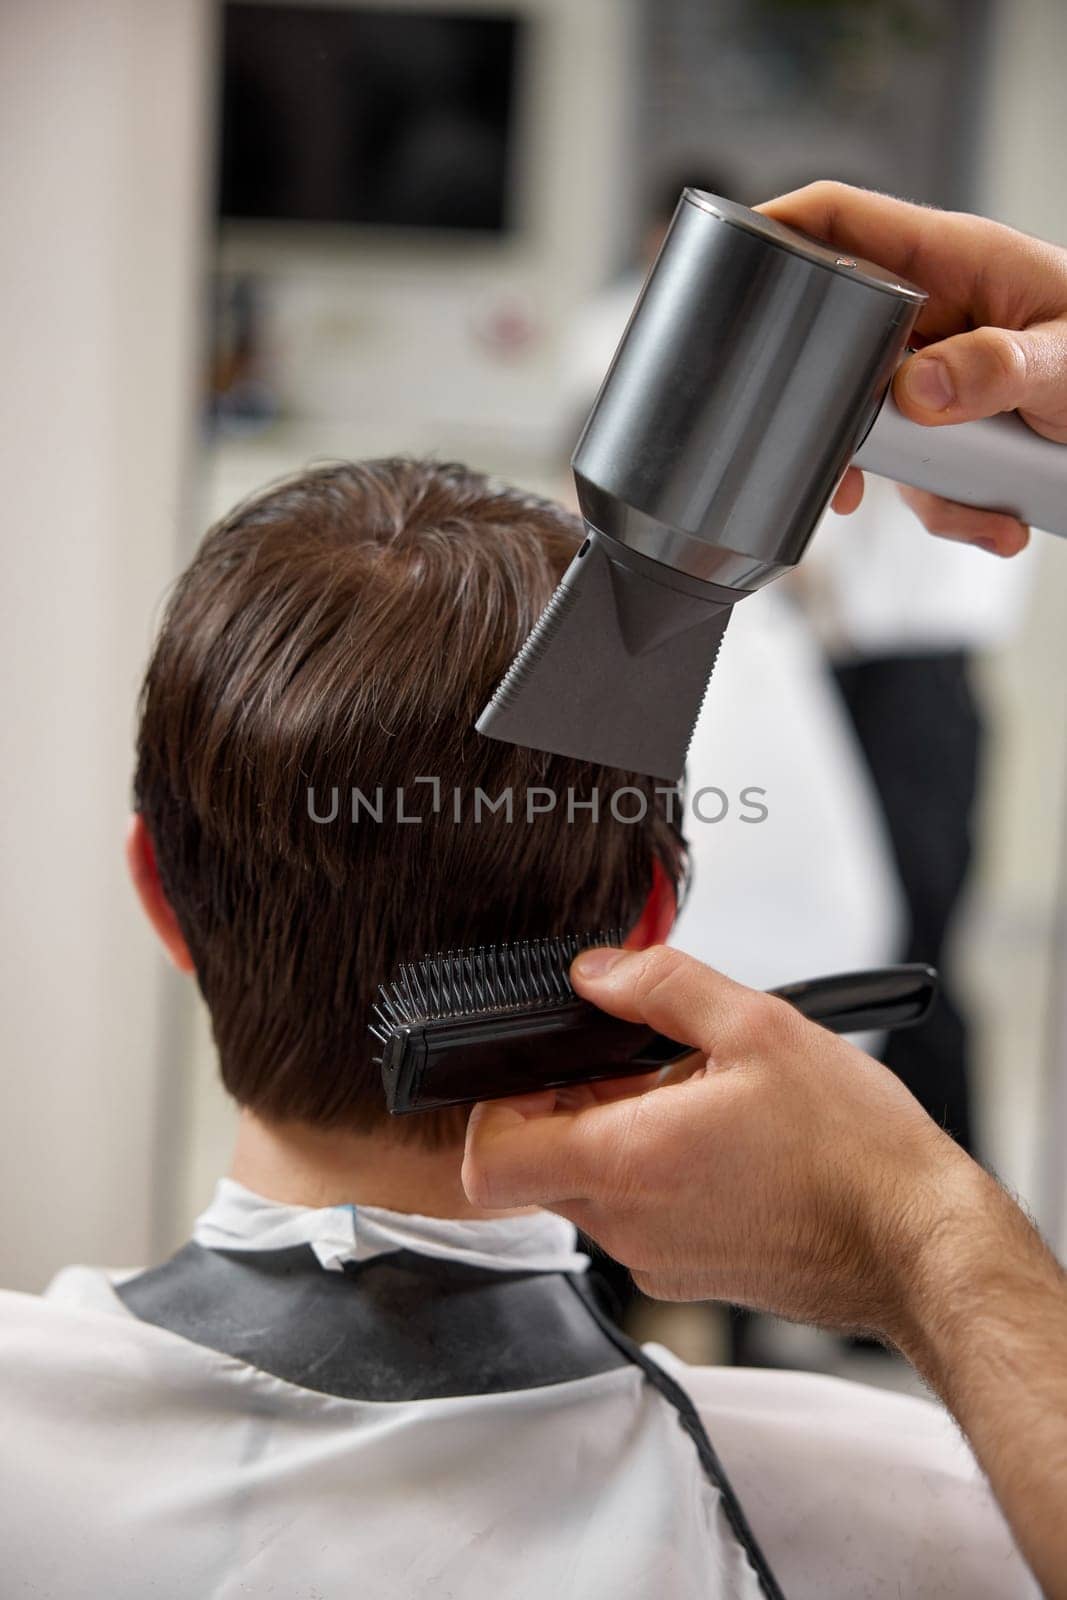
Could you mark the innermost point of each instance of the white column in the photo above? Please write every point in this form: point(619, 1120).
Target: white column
point(1025, 184)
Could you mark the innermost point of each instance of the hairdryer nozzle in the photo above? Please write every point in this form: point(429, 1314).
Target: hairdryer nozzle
point(633, 644)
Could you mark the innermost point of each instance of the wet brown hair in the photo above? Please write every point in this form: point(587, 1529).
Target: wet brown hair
point(342, 630)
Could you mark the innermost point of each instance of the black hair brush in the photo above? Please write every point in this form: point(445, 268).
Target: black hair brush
point(503, 1019)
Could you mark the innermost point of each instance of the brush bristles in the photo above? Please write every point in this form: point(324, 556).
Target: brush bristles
point(473, 983)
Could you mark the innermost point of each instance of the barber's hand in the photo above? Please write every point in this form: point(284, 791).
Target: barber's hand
point(994, 331)
point(788, 1171)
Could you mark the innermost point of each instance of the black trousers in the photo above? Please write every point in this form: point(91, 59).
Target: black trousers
point(921, 730)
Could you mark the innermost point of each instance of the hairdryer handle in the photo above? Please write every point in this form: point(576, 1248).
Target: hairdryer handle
point(999, 463)
point(853, 1002)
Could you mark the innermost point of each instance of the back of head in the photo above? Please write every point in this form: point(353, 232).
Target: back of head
point(320, 805)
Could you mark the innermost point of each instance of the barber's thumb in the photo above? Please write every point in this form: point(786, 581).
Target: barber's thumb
point(979, 374)
point(670, 991)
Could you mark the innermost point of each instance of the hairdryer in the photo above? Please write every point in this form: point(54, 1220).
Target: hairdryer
point(755, 368)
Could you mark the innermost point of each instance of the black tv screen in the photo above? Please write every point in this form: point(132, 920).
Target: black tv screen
point(353, 114)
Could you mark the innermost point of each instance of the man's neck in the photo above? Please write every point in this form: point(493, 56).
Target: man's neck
point(304, 1166)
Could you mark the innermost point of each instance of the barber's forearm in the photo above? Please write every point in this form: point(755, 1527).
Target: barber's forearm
point(985, 1322)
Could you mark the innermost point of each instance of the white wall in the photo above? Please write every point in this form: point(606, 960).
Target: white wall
point(101, 138)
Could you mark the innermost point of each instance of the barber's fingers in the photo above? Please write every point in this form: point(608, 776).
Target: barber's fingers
point(878, 226)
point(520, 1152)
point(946, 253)
point(576, 1096)
point(974, 271)
point(526, 1150)
point(849, 492)
point(994, 531)
point(990, 370)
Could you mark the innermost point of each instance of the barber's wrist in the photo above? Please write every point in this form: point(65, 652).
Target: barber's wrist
point(968, 1246)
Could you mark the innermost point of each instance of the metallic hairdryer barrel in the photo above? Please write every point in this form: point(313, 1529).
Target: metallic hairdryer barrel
point(752, 371)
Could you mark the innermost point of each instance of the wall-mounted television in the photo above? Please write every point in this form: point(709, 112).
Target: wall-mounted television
point(357, 114)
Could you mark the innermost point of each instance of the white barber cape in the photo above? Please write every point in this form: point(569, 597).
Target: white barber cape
point(138, 1463)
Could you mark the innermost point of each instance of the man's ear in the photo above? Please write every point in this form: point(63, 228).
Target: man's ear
point(657, 914)
point(141, 861)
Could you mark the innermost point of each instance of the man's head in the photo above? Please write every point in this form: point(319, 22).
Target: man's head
point(341, 632)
